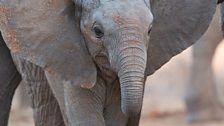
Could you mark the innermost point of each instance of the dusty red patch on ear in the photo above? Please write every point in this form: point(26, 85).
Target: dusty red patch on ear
point(10, 35)
point(4, 15)
point(50, 71)
point(12, 41)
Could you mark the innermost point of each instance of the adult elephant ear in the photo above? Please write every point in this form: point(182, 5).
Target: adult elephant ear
point(177, 25)
point(49, 36)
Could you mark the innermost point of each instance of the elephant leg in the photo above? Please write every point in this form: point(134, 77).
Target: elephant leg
point(9, 80)
point(81, 107)
point(45, 107)
point(24, 100)
point(201, 97)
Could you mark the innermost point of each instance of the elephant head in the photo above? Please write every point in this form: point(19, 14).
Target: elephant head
point(120, 30)
point(136, 37)
point(120, 34)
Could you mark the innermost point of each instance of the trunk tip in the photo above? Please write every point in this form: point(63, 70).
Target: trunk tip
point(130, 112)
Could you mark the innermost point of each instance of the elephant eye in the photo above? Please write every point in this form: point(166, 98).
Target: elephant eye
point(150, 29)
point(98, 31)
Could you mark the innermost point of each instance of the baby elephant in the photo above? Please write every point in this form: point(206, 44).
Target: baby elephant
point(95, 54)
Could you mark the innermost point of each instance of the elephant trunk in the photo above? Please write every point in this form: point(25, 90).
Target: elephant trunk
point(132, 64)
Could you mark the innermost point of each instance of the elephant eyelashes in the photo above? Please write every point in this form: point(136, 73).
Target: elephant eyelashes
point(98, 31)
point(149, 31)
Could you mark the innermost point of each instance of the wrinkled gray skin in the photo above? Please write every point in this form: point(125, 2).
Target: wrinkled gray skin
point(23, 99)
point(201, 97)
point(95, 55)
point(44, 104)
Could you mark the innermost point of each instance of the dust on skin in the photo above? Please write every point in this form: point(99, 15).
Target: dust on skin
point(4, 15)
point(10, 35)
point(12, 41)
point(87, 85)
point(51, 5)
point(125, 23)
point(119, 20)
point(49, 70)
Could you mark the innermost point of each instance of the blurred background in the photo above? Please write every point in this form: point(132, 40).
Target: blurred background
point(163, 100)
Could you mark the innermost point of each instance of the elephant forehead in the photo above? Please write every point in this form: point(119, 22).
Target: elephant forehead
point(124, 20)
point(125, 8)
point(118, 13)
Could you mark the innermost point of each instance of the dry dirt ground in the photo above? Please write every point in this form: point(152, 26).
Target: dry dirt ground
point(163, 104)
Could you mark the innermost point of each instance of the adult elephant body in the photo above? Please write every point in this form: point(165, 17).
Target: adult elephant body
point(201, 97)
point(96, 54)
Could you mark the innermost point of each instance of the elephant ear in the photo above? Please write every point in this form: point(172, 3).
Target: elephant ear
point(49, 36)
point(177, 25)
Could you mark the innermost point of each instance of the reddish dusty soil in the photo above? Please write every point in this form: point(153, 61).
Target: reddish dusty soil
point(152, 119)
point(175, 119)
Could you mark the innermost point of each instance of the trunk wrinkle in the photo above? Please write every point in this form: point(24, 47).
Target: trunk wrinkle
point(131, 66)
point(131, 58)
point(131, 48)
point(127, 73)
